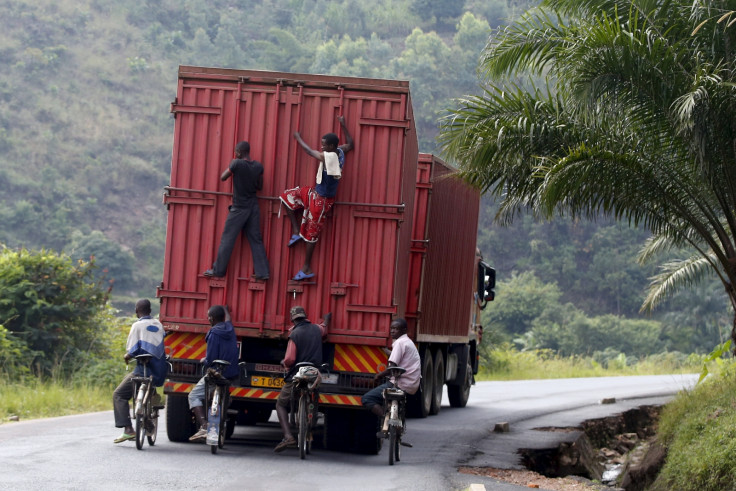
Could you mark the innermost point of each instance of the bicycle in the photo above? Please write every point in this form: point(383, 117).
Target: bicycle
point(146, 412)
point(306, 382)
point(394, 422)
point(217, 397)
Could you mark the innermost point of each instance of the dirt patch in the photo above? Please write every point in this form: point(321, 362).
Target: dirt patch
point(606, 450)
point(533, 480)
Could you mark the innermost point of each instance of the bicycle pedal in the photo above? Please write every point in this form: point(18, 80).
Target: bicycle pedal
point(406, 444)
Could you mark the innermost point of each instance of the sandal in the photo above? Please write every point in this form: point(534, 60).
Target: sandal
point(294, 239)
point(283, 444)
point(125, 437)
point(301, 275)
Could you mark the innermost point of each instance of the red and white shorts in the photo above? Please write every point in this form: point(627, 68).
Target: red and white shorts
point(315, 210)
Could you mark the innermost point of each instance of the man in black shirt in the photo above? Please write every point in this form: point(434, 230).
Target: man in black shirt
point(305, 345)
point(244, 213)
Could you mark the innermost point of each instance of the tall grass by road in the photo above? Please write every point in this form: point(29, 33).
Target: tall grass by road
point(34, 398)
point(508, 363)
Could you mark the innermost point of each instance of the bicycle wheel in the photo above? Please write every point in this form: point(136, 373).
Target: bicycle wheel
point(140, 432)
point(211, 411)
point(393, 444)
point(222, 430)
point(311, 421)
point(152, 430)
point(302, 440)
point(397, 448)
point(140, 423)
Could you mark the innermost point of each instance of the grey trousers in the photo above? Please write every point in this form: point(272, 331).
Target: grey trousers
point(120, 407)
point(247, 220)
point(196, 396)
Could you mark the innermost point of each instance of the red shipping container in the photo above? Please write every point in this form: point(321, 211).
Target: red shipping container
point(362, 258)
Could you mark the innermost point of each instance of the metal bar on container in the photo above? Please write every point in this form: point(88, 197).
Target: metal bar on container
point(275, 198)
point(333, 227)
point(176, 109)
point(293, 159)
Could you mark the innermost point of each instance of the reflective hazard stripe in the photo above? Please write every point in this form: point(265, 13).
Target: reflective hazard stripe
point(186, 345)
point(177, 387)
point(343, 400)
point(361, 359)
point(253, 393)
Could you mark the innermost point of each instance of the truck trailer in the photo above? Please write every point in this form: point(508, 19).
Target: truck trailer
point(400, 241)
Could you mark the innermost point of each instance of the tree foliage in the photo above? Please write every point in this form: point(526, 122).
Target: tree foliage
point(89, 149)
point(49, 307)
point(635, 122)
point(525, 298)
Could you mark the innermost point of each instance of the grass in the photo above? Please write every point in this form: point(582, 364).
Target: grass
point(511, 364)
point(34, 398)
point(699, 430)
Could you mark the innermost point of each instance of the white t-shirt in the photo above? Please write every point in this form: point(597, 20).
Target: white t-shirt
point(405, 355)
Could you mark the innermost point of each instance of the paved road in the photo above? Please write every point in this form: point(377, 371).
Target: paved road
point(76, 452)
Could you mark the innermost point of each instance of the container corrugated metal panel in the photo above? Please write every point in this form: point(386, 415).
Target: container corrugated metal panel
point(361, 261)
point(449, 208)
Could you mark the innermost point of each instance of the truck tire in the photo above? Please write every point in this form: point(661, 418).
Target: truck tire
point(179, 421)
point(459, 394)
point(438, 383)
point(421, 402)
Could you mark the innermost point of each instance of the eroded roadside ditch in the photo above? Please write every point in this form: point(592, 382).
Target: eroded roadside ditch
point(619, 451)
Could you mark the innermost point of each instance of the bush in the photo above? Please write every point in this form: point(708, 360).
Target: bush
point(14, 355)
point(53, 305)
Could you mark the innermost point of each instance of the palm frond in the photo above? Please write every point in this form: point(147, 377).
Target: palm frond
point(674, 276)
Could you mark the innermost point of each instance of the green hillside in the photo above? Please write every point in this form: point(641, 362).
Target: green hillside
point(85, 129)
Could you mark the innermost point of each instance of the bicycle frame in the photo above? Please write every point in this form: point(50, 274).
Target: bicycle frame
point(143, 393)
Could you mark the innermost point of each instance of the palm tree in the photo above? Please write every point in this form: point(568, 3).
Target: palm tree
point(635, 121)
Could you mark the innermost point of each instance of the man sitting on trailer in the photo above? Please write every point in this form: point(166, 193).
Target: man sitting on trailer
point(403, 354)
point(244, 215)
point(222, 344)
point(305, 345)
point(316, 202)
point(146, 337)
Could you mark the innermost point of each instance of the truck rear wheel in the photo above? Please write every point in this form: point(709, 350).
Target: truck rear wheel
point(179, 422)
point(459, 394)
point(421, 402)
point(438, 383)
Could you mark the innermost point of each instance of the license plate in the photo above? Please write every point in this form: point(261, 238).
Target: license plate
point(330, 378)
point(275, 382)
